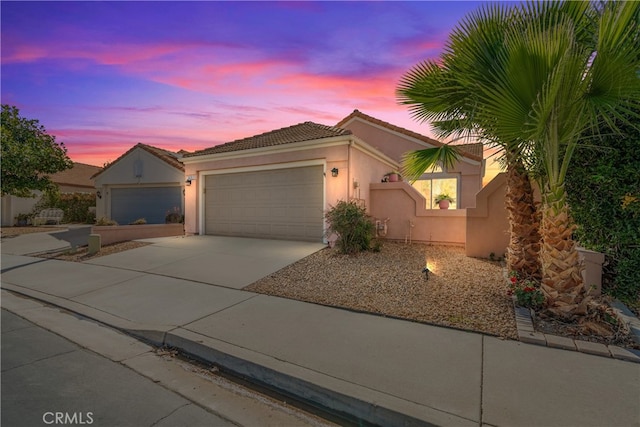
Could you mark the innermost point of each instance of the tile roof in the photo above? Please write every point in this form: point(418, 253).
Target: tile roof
point(80, 175)
point(306, 131)
point(167, 156)
point(474, 151)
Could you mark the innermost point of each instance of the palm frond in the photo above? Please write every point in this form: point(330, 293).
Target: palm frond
point(416, 163)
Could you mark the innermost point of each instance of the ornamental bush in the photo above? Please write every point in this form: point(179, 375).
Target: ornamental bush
point(603, 188)
point(75, 205)
point(352, 224)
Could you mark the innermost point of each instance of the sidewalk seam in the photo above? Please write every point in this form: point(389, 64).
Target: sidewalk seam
point(481, 422)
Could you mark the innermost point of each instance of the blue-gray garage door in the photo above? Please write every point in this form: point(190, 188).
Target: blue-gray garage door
point(150, 203)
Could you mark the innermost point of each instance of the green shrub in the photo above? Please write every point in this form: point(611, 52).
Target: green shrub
point(603, 188)
point(105, 221)
point(75, 205)
point(139, 221)
point(353, 226)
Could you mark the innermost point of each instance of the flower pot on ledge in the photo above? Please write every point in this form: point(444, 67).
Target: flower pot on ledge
point(443, 204)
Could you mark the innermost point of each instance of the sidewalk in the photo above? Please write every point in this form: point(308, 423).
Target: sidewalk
point(385, 371)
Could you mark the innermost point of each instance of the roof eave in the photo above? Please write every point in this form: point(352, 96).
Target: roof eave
point(273, 149)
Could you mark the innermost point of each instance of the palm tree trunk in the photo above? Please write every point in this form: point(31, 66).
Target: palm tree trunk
point(523, 253)
point(562, 283)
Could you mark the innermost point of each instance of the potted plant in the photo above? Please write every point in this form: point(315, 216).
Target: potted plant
point(392, 176)
point(443, 200)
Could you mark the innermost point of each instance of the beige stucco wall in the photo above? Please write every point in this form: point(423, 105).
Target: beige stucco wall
point(330, 157)
point(488, 223)
point(350, 157)
point(408, 218)
point(395, 145)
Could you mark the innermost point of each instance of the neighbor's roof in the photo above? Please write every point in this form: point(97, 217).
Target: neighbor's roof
point(168, 157)
point(306, 131)
point(473, 151)
point(80, 175)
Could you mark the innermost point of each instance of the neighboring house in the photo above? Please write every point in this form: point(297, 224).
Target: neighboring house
point(145, 182)
point(280, 183)
point(77, 179)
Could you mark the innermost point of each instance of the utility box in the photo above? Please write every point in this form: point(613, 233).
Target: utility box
point(94, 244)
point(592, 273)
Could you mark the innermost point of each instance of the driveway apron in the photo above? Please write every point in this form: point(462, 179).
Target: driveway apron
point(232, 262)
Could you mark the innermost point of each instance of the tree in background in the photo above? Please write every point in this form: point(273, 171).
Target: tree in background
point(29, 155)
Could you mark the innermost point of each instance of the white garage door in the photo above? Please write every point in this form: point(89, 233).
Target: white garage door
point(274, 204)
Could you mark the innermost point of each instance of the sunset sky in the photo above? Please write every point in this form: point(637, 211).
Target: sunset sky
point(103, 76)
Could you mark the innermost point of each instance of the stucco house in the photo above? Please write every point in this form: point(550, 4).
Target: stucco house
point(280, 183)
point(78, 179)
point(145, 182)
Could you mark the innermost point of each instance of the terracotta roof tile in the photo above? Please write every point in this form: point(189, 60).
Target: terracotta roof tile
point(306, 131)
point(164, 155)
point(473, 151)
point(80, 175)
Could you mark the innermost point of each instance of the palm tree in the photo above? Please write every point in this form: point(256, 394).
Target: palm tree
point(559, 69)
point(444, 92)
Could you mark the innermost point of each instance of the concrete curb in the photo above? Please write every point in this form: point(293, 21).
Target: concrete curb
point(352, 402)
point(527, 334)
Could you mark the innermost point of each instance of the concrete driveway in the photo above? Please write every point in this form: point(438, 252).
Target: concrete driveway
point(232, 262)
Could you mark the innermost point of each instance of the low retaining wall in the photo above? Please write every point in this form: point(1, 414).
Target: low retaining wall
point(121, 233)
point(408, 219)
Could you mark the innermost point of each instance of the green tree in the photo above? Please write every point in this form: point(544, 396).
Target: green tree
point(29, 154)
point(560, 68)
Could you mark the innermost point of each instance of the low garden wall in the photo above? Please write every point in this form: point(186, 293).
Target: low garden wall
point(408, 219)
point(120, 233)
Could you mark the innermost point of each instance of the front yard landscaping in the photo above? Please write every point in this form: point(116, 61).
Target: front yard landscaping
point(461, 292)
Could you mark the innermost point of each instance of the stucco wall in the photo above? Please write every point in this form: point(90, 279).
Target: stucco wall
point(488, 223)
point(408, 218)
point(396, 145)
point(121, 233)
point(151, 169)
point(122, 174)
point(332, 156)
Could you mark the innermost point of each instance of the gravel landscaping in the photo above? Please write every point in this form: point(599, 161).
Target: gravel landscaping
point(461, 292)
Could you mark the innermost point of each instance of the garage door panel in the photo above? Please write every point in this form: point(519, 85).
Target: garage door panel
point(150, 203)
point(286, 204)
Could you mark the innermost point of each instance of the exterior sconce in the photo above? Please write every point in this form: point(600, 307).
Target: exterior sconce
point(99, 194)
point(189, 179)
point(334, 172)
point(187, 182)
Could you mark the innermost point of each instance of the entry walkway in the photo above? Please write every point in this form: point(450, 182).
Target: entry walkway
point(386, 371)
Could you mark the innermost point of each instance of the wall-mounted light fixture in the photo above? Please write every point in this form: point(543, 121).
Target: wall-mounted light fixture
point(189, 179)
point(334, 172)
point(99, 194)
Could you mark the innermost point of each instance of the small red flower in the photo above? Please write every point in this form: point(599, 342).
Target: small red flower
point(514, 279)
